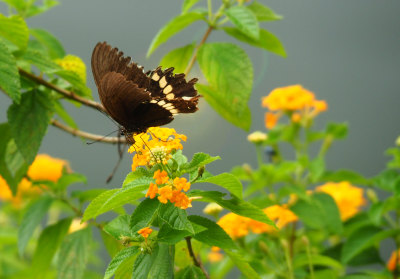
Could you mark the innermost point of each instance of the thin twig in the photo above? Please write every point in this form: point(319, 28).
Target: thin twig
point(194, 57)
point(196, 261)
point(86, 135)
point(68, 94)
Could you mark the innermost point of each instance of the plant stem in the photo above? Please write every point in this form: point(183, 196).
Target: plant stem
point(193, 256)
point(68, 94)
point(194, 57)
point(86, 135)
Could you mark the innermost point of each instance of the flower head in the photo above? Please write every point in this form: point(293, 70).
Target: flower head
point(145, 232)
point(165, 194)
point(45, 167)
point(293, 100)
point(161, 177)
point(155, 147)
point(77, 225)
point(74, 64)
point(238, 226)
point(181, 183)
point(257, 137)
point(348, 198)
point(153, 191)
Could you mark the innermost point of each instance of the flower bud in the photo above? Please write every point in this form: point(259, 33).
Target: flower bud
point(213, 209)
point(257, 137)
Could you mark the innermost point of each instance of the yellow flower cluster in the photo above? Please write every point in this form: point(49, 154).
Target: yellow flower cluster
point(155, 146)
point(295, 100)
point(74, 64)
point(43, 167)
point(171, 190)
point(215, 255)
point(238, 226)
point(348, 198)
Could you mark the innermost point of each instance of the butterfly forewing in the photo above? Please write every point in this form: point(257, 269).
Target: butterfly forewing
point(137, 100)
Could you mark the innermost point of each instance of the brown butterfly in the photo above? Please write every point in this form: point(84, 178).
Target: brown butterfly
point(138, 100)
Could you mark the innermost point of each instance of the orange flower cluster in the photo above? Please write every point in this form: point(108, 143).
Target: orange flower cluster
point(44, 167)
point(155, 147)
point(394, 260)
point(145, 232)
point(294, 100)
point(171, 190)
point(237, 226)
point(348, 198)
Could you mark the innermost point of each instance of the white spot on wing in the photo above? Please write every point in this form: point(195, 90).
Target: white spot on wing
point(170, 96)
point(153, 101)
point(163, 82)
point(187, 98)
point(167, 89)
point(173, 111)
point(155, 77)
point(161, 103)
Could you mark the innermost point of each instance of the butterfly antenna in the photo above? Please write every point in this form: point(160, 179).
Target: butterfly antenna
point(155, 158)
point(100, 139)
point(153, 135)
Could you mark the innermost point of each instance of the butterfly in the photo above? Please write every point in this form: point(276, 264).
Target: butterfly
point(137, 100)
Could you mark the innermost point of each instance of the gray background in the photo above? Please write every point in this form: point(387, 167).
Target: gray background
point(347, 52)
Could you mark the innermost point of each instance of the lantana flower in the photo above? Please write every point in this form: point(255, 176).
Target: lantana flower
point(293, 100)
point(145, 232)
point(394, 260)
point(74, 64)
point(44, 167)
point(155, 147)
point(238, 226)
point(348, 198)
point(171, 190)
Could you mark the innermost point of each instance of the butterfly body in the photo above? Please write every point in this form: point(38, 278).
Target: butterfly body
point(138, 100)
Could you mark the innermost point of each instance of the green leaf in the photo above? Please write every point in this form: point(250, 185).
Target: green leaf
point(41, 61)
point(229, 72)
point(112, 245)
point(29, 121)
point(143, 214)
point(214, 235)
point(337, 130)
point(114, 198)
point(221, 106)
point(317, 168)
point(87, 195)
point(140, 174)
point(172, 27)
point(388, 180)
point(177, 218)
point(345, 175)
point(245, 20)
point(262, 12)
point(49, 241)
point(35, 10)
point(9, 76)
point(68, 179)
point(15, 30)
point(122, 256)
point(321, 212)
point(243, 265)
point(125, 269)
point(76, 82)
point(74, 254)
point(119, 227)
point(170, 236)
point(190, 272)
point(233, 204)
point(266, 40)
point(163, 266)
point(227, 181)
point(315, 259)
point(12, 165)
point(143, 264)
point(178, 58)
point(187, 4)
point(54, 47)
point(31, 219)
point(364, 238)
point(198, 160)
